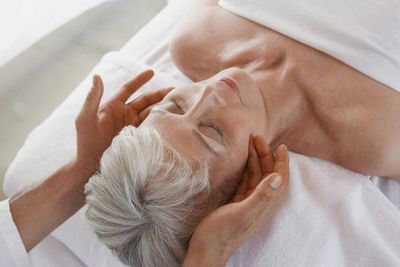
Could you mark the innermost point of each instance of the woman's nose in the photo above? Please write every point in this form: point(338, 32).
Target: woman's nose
point(206, 99)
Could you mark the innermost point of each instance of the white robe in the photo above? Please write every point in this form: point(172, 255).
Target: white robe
point(12, 250)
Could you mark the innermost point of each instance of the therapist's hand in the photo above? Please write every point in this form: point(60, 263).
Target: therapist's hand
point(224, 230)
point(97, 125)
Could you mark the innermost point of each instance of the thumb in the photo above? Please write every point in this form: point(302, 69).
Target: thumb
point(263, 199)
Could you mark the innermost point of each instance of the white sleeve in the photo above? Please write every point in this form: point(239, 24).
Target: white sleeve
point(12, 250)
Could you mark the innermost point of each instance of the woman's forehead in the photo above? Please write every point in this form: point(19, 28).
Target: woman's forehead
point(181, 137)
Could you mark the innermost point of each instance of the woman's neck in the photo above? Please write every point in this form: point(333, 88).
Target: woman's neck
point(273, 62)
point(286, 106)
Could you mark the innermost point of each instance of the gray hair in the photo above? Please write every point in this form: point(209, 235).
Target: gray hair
point(146, 200)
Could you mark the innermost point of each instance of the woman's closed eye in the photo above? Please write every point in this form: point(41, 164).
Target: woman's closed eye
point(214, 130)
point(179, 105)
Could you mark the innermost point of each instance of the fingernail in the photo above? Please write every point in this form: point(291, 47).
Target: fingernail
point(275, 181)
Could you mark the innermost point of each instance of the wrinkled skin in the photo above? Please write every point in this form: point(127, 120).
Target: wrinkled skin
point(210, 110)
point(314, 103)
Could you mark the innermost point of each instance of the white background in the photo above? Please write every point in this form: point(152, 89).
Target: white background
point(23, 22)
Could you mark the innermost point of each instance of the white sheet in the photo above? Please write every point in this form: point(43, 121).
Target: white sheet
point(332, 216)
point(364, 34)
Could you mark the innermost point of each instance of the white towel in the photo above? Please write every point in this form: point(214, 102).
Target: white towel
point(330, 216)
point(364, 34)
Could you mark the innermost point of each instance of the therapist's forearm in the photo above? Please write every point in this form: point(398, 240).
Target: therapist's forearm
point(41, 209)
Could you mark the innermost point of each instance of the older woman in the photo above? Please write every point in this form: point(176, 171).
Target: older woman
point(30, 216)
point(249, 80)
point(315, 104)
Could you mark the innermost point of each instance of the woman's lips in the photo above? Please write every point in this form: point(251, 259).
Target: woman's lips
point(233, 85)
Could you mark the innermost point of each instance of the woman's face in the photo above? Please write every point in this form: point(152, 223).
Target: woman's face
point(211, 121)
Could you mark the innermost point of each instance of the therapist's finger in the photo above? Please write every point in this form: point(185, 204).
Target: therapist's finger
point(142, 102)
point(265, 154)
point(262, 202)
point(254, 168)
point(133, 85)
point(144, 113)
point(241, 190)
point(282, 161)
point(93, 98)
point(141, 105)
point(159, 95)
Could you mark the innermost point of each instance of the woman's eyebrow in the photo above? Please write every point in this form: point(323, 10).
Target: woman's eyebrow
point(204, 142)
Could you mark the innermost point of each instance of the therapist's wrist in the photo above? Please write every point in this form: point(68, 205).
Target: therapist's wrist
point(76, 179)
point(203, 255)
point(82, 170)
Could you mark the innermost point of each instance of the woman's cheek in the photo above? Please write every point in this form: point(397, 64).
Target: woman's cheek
point(239, 153)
